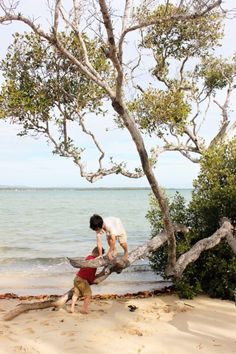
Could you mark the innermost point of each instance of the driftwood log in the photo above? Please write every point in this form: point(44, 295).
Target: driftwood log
point(118, 264)
point(53, 302)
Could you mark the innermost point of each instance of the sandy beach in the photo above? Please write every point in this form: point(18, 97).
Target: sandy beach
point(161, 324)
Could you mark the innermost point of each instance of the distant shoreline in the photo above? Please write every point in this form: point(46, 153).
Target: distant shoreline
point(85, 188)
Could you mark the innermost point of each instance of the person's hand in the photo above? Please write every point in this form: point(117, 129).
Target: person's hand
point(101, 256)
point(109, 256)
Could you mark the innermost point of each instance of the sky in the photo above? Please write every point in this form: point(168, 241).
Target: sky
point(26, 161)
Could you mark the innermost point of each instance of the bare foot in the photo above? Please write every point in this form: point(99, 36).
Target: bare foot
point(84, 312)
point(71, 311)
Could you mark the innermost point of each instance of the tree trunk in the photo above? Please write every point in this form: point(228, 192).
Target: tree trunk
point(130, 124)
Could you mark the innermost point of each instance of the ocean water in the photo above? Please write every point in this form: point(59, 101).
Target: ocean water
point(40, 227)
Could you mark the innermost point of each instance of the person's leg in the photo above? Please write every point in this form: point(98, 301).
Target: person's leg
point(76, 294)
point(87, 294)
point(73, 302)
point(125, 248)
point(85, 305)
point(111, 245)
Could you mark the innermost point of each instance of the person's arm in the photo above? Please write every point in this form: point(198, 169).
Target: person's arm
point(112, 246)
point(99, 244)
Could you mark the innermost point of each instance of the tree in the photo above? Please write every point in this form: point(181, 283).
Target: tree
point(55, 79)
point(214, 197)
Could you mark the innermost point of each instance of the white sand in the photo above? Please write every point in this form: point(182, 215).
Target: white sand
point(161, 325)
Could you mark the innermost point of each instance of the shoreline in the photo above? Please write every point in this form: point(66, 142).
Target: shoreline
point(160, 324)
point(42, 283)
point(139, 294)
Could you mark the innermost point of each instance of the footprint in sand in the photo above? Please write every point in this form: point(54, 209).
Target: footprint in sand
point(29, 330)
point(22, 349)
point(45, 323)
point(139, 350)
point(4, 333)
point(71, 349)
point(69, 334)
point(135, 332)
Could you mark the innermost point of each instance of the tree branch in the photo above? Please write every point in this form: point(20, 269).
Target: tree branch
point(75, 28)
point(54, 40)
point(232, 242)
point(202, 245)
point(177, 17)
point(11, 17)
point(222, 133)
point(113, 54)
point(125, 20)
point(56, 16)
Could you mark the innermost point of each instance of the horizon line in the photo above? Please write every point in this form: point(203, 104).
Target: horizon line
point(83, 188)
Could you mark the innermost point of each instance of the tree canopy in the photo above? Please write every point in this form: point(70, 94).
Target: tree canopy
point(45, 84)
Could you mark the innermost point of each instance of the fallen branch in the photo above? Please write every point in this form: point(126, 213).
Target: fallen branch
point(138, 253)
point(39, 305)
point(189, 305)
point(61, 300)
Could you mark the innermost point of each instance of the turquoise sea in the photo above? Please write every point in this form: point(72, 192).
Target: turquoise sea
point(40, 227)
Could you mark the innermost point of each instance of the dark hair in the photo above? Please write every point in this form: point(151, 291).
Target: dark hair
point(96, 222)
point(95, 250)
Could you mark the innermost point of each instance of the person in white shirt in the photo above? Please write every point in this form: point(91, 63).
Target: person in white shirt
point(114, 230)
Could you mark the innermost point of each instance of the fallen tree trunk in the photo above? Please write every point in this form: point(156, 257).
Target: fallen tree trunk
point(136, 254)
point(39, 305)
point(118, 264)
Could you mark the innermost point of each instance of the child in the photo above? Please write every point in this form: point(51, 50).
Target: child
point(114, 230)
point(84, 278)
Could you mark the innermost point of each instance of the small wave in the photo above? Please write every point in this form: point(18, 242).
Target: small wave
point(57, 261)
point(12, 248)
point(136, 282)
point(138, 268)
point(36, 261)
